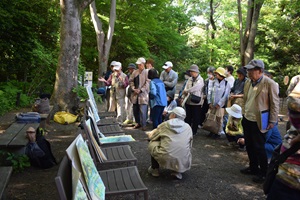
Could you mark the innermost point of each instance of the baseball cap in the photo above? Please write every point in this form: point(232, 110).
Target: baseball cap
point(255, 63)
point(131, 66)
point(140, 60)
point(179, 112)
point(113, 63)
point(117, 66)
point(167, 65)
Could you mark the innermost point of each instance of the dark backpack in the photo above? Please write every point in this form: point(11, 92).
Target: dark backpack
point(39, 153)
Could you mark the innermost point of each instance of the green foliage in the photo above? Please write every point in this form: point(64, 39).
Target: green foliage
point(81, 92)
point(18, 161)
point(8, 96)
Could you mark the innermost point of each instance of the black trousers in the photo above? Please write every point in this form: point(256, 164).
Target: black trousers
point(154, 163)
point(255, 146)
point(193, 116)
point(203, 111)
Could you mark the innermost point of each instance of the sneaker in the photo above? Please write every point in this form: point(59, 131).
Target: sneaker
point(259, 179)
point(249, 171)
point(221, 133)
point(199, 126)
point(177, 175)
point(127, 121)
point(143, 128)
point(149, 121)
point(153, 172)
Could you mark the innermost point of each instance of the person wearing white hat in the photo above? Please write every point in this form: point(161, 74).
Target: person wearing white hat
point(171, 144)
point(169, 76)
point(234, 128)
point(140, 85)
point(118, 82)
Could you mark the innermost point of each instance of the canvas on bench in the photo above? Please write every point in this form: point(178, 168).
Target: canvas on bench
point(107, 139)
point(95, 184)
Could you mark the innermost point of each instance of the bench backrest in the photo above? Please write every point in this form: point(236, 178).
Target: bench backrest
point(63, 180)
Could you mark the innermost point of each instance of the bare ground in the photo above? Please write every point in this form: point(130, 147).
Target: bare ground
point(214, 173)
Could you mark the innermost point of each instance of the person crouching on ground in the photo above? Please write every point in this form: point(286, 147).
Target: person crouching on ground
point(234, 128)
point(170, 145)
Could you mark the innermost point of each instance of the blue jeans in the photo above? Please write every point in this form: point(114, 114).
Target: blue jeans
point(140, 113)
point(156, 115)
point(280, 191)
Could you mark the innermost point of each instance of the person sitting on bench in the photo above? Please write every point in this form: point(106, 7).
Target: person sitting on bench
point(38, 149)
point(170, 145)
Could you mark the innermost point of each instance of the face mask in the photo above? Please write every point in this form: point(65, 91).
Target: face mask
point(209, 76)
point(186, 77)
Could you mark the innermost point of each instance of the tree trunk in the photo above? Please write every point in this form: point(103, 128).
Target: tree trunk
point(254, 7)
point(241, 32)
point(63, 98)
point(102, 45)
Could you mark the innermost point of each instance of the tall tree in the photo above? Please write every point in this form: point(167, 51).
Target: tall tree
point(253, 11)
point(103, 45)
point(70, 42)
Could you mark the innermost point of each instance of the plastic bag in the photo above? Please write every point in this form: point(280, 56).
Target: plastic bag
point(65, 117)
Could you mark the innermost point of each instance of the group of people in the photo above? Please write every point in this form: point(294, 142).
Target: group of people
point(247, 111)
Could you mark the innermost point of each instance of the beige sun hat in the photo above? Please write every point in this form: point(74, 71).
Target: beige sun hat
point(221, 71)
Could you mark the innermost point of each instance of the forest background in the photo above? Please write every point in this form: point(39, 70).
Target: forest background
point(204, 32)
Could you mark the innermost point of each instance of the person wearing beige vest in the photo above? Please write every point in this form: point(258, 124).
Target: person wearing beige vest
point(261, 102)
point(118, 82)
point(139, 84)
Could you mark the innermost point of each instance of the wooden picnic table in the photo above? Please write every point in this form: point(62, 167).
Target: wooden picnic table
point(15, 135)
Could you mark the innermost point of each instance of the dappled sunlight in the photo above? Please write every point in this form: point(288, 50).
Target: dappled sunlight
point(245, 190)
point(215, 156)
point(21, 185)
point(208, 146)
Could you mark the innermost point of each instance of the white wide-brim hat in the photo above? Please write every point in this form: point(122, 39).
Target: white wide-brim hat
point(235, 111)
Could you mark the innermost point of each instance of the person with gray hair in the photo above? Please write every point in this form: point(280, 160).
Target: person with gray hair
point(193, 88)
point(261, 102)
point(171, 144)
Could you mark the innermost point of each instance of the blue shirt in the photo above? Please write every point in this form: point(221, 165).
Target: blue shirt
point(157, 95)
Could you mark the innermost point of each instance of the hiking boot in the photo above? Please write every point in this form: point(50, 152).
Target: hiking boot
point(177, 175)
point(127, 121)
point(249, 171)
point(153, 172)
point(143, 128)
point(259, 179)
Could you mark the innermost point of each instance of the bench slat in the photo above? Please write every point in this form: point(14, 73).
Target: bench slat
point(10, 133)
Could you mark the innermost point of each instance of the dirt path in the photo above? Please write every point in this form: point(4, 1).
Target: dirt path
point(214, 174)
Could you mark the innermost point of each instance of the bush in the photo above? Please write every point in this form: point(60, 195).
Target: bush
point(8, 97)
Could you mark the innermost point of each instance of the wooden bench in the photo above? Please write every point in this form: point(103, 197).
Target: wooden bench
point(119, 181)
point(14, 138)
point(5, 173)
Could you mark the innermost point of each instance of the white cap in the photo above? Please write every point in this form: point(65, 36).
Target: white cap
point(140, 61)
point(117, 66)
point(179, 112)
point(235, 111)
point(112, 63)
point(167, 65)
